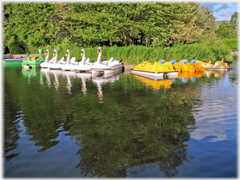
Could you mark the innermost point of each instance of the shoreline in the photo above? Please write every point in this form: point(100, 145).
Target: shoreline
point(126, 66)
point(9, 56)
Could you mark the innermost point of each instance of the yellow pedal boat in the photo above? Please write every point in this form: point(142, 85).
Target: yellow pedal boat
point(193, 66)
point(157, 69)
point(219, 65)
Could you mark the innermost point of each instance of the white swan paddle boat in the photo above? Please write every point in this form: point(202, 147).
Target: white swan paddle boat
point(85, 65)
point(105, 66)
point(69, 64)
point(73, 65)
point(52, 63)
point(45, 64)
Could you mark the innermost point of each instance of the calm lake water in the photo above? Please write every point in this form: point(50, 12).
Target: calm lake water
point(74, 125)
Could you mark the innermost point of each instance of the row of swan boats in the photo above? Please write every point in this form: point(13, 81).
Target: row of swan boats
point(71, 64)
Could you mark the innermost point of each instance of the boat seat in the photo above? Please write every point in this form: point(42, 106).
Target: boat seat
point(184, 61)
point(62, 61)
point(194, 61)
point(162, 61)
point(173, 61)
point(73, 59)
point(75, 63)
point(88, 60)
point(53, 60)
point(112, 59)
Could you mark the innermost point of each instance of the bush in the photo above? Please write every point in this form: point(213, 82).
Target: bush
point(201, 51)
point(15, 47)
point(231, 43)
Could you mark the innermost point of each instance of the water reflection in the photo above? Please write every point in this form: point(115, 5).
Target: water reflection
point(84, 77)
point(218, 74)
point(99, 81)
point(185, 76)
point(133, 128)
point(117, 138)
point(69, 75)
point(56, 74)
point(219, 107)
point(11, 119)
point(156, 84)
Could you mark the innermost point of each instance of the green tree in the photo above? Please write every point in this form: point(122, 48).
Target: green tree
point(179, 22)
point(234, 25)
point(91, 24)
point(31, 23)
point(229, 29)
point(224, 30)
point(208, 21)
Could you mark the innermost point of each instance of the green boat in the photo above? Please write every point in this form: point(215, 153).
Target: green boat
point(13, 62)
point(35, 62)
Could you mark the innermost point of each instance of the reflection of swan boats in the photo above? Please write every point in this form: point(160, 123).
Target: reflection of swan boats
point(56, 73)
point(105, 66)
point(99, 81)
point(156, 84)
point(68, 75)
point(156, 70)
point(84, 77)
point(184, 76)
point(108, 73)
point(218, 66)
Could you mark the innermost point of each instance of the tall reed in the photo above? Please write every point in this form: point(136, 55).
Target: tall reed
point(231, 43)
point(130, 54)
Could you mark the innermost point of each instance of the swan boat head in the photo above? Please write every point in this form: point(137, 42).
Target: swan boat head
point(83, 53)
point(83, 56)
point(47, 55)
point(68, 55)
point(99, 52)
point(55, 54)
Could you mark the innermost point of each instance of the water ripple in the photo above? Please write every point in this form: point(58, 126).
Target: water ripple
point(218, 109)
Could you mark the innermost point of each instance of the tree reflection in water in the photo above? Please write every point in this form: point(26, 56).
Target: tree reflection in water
point(134, 126)
point(12, 117)
point(147, 129)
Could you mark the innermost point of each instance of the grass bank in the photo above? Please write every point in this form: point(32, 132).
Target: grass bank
point(231, 43)
point(201, 51)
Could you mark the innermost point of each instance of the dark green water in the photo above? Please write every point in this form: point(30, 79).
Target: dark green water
point(70, 125)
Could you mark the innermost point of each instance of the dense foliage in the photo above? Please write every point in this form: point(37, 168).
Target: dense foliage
point(231, 43)
point(229, 29)
point(29, 25)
